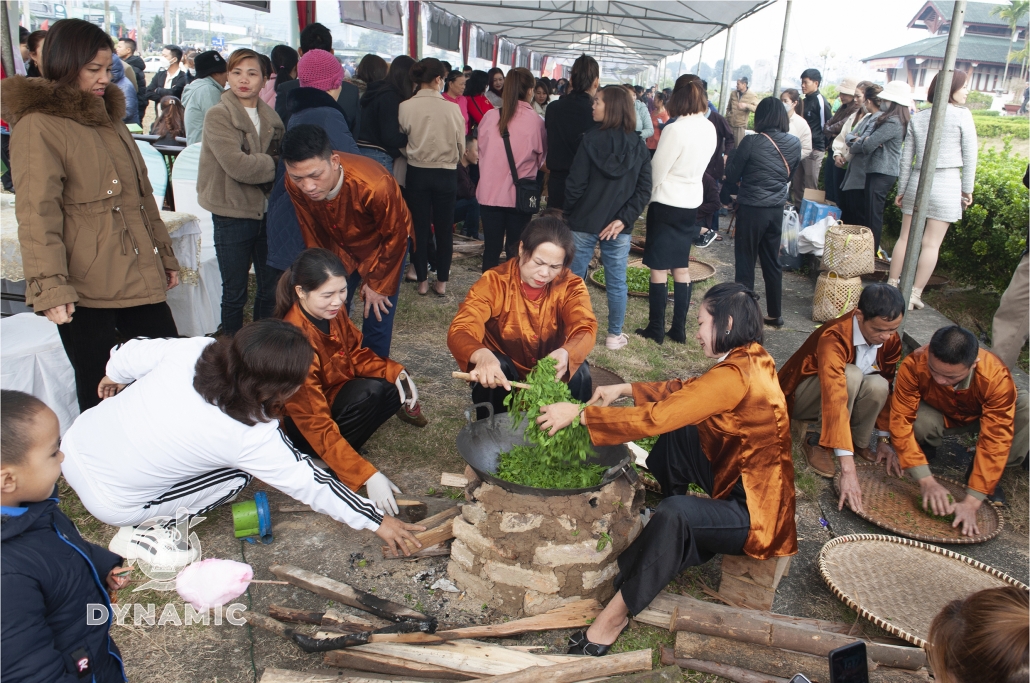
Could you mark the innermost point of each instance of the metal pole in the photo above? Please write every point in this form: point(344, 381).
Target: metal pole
point(926, 169)
point(107, 17)
point(783, 51)
point(727, 67)
point(26, 15)
point(166, 33)
point(6, 48)
point(700, 54)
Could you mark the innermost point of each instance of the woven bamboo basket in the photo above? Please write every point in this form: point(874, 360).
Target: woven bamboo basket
point(895, 504)
point(901, 585)
point(834, 296)
point(849, 250)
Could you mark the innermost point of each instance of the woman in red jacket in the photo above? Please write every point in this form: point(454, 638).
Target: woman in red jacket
point(478, 105)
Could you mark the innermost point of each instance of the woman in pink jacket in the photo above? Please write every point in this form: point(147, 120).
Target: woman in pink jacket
point(502, 222)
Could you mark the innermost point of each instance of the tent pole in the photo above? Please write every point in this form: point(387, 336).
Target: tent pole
point(933, 146)
point(700, 54)
point(6, 48)
point(783, 50)
point(727, 67)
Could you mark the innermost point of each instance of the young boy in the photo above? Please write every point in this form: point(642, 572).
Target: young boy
point(50, 574)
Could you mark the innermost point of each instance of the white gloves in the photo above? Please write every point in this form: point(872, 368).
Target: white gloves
point(380, 491)
point(405, 399)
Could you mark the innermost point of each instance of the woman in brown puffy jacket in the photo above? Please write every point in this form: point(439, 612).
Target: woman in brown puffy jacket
point(96, 255)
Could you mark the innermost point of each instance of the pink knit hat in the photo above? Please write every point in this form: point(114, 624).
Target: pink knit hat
point(319, 69)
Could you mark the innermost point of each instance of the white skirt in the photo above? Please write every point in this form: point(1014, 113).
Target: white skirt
point(945, 197)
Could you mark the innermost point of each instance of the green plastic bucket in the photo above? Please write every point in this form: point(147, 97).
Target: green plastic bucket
point(253, 519)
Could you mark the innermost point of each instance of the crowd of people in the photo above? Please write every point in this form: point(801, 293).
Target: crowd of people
point(326, 186)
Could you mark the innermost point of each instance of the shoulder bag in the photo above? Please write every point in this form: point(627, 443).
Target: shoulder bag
point(782, 158)
point(527, 190)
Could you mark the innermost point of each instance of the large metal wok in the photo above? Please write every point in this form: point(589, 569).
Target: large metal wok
point(481, 442)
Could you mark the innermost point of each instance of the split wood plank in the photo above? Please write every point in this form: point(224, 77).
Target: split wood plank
point(374, 663)
point(269, 624)
point(411, 511)
point(453, 480)
point(739, 591)
point(348, 595)
point(583, 669)
point(732, 673)
point(439, 528)
point(285, 676)
point(761, 658)
point(297, 616)
point(763, 572)
point(347, 622)
point(668, 674)
point(438, 550)
point(480, 659)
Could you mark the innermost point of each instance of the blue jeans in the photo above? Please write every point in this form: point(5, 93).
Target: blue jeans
point(239, 242)
point(376, 335)
point(614, 254)
point(467, 211)
point(379, 155)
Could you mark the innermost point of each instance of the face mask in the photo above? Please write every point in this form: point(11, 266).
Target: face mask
point(885, 105)
point(708, 112)
point(191, 72)
point(789, 106)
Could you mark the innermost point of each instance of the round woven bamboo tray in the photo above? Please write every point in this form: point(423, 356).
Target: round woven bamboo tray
point(699, 271)
point(900, 585)
point(602, 377)
point(883, 268)
point(894, 504)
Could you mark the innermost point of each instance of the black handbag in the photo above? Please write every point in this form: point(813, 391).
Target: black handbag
point(527, 190)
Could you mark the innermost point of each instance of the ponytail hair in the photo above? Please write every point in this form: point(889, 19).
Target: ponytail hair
point(310, 270)
point(284, 61)
point(517, 85)
point(426, 71)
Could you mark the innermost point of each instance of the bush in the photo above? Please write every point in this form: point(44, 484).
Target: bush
point(986, 112)
point(996, 127)
point(978, 100)
point(984, 247)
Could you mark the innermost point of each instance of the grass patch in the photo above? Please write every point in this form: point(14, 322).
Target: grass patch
point(642, 636)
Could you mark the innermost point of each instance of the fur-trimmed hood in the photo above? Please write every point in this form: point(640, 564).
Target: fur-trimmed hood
point(21, 96)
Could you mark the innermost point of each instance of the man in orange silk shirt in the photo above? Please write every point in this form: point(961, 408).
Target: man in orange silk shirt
point(352, 206)
point(841, 377)
point(953, 386)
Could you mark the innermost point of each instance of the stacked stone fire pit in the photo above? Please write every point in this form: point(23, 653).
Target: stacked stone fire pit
point(524, 554)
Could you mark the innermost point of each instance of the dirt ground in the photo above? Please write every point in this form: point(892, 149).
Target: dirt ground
point(414, 458)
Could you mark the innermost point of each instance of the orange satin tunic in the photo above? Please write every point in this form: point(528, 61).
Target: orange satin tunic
point(367, 225)
point(497, 315)
point(742, 422)
point(339, 358)
point(990, 398)
point(825, 353)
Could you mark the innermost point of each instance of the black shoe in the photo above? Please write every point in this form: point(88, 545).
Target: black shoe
point(997, 499)
point(657, 298)
point(706, 239)
point(579, 645)
point(773, 322)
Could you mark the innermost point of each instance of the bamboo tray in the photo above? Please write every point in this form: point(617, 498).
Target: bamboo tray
point(900, 585)
point(893, 504)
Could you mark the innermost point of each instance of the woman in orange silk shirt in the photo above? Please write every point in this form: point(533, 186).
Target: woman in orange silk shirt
point(522, 311)
point(726, 431)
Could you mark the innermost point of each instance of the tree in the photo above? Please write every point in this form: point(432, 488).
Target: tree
point(157, 27)
point(743, 71)
point(1014, 13)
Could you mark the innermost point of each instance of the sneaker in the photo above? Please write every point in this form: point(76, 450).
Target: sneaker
point(157, 547)
point(616, 341)
point(706, 239)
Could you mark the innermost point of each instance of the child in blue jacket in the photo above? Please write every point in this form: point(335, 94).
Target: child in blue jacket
point(50, 575)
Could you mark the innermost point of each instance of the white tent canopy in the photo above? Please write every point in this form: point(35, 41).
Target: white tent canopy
point(627, 32)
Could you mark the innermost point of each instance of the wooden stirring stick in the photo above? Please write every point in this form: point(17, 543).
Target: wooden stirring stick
point(468, 378)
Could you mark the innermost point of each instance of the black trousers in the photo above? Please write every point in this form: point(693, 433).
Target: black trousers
point(359, 409)
point(758, 239)
point(877, 185)
point(580, 385)
point(93, 332)
point(853, 207)
point(431, 193)
point(684, 531)
point(502, 229)
point(556, 189)
point(832, 178)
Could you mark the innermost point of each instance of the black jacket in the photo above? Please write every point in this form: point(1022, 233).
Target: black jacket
point(379, 125)
point(610, 179)
point(724, 143)
point(50, 575)
point(566, 120)
point(816, 121)
point(139, 68)
point(764, 180)
point(348, 101)
point(158, 88)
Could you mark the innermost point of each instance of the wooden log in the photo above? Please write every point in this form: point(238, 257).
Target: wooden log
point(740, 591)
point(763, 572)
point(297, 616)
point(468, 378)
point(584, 669)
point(439, 528)
point(269, 624)
point(348, 623)
point(374, 663)
point(271, 675)
point(686, 606)
point(468, 657)
point(348, 595)
point(732, 673)
point(453, 480)
point(761, 658)
point(668, 674)
point(411, 511)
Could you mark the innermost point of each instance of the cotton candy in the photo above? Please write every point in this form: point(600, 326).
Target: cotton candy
point(212, 582)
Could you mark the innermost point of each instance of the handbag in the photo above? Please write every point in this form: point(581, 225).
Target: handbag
point(527, 190)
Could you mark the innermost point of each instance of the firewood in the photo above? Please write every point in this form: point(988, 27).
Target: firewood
point(269, 624)
point(584, 669)
point(284, 676)
point(411, 511)
point(732, 673)
point(348, 595)
point(297, 616)
point(471, 658)
point(335, 620)
point(373, 663)
point(668, 674)
point(439, 528)
point(453, 480)
point(762, 658)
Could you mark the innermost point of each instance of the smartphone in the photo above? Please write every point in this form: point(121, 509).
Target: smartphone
point(800, 678)
point(848, 664)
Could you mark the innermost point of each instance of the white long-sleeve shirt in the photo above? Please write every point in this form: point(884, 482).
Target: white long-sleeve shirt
point(684, 150)
point(158, 432)
point(799, 129)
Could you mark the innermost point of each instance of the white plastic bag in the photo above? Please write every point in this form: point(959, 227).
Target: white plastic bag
point(812, 240)
point(789, 232)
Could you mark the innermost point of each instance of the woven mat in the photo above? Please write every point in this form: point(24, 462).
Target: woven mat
point(602, 377)
point(894, 504)
point(901, 585)
point(699, 271)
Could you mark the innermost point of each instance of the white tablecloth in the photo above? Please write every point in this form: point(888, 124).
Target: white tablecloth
point(32, 359)
point(195, 303)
